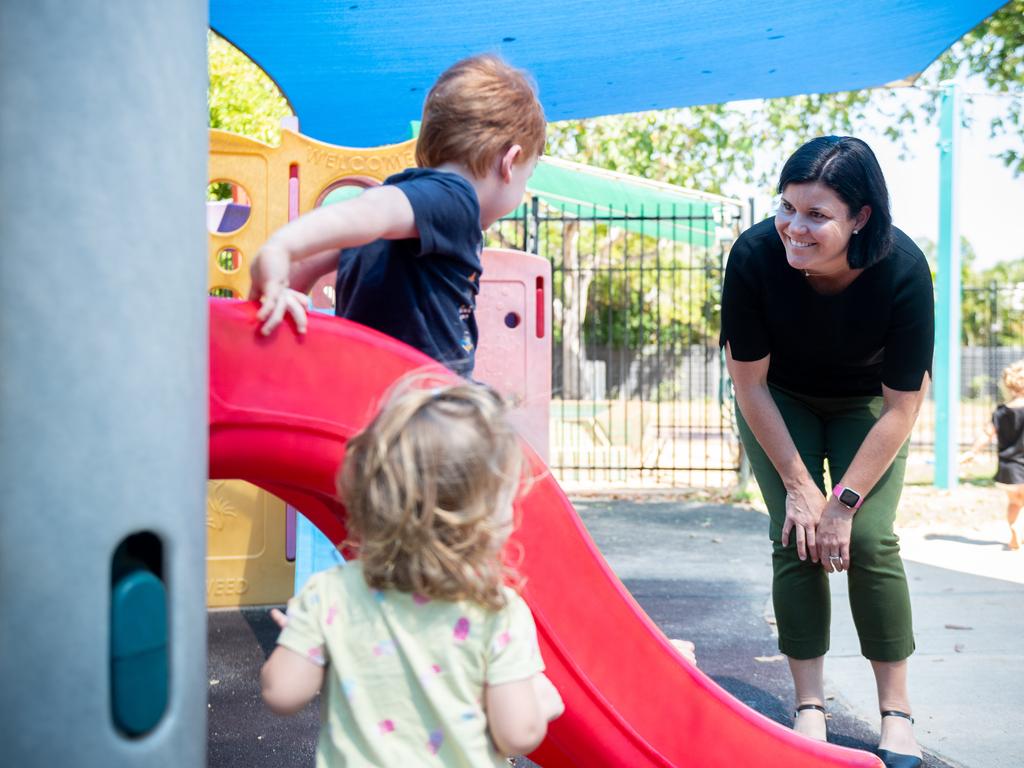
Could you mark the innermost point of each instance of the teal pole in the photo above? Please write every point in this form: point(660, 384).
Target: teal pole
point(947, 305)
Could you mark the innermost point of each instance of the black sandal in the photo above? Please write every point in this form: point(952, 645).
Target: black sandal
point(819, 708)
point(896, 759)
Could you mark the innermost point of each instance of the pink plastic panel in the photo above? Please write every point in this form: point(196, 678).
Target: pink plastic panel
point(514, 354)
point(281, 410)
point(513, 315)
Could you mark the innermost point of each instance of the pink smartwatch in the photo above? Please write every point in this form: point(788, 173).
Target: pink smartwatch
point(847, 497)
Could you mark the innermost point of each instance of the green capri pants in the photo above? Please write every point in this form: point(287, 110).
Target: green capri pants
point(832, 429)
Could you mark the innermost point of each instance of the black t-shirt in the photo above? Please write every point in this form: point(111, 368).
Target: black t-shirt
point(422, 291)
point(1009, 424)
point(879, 330)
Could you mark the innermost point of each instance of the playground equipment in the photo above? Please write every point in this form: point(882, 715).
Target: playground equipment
point(252, 537)
point(281, 410)
point(280, 183)
point(252, 551)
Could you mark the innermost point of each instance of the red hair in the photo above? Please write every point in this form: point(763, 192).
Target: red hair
point(479, 108)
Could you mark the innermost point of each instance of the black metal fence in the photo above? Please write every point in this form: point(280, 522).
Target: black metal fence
point(638, 388)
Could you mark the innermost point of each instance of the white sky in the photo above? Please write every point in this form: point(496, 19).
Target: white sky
point(990, 199)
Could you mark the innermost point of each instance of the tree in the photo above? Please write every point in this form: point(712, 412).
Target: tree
point(993, 306)
point(704, 147)
point(994, 50)
point(242, 97)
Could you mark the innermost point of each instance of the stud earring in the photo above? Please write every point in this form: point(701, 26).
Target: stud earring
point(856, 231)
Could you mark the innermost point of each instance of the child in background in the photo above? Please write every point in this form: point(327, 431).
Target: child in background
point(408, 252)
point(425, 657)
point(1007, 429)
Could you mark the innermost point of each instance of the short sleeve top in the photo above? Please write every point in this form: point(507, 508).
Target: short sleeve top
point(879, 330)
point(405, 675)
point(422, 291)
point(1009, 425)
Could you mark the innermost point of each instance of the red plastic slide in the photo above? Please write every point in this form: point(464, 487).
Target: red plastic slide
point(281, 410)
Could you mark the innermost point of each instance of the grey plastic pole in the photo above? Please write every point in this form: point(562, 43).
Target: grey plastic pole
point(103, 364)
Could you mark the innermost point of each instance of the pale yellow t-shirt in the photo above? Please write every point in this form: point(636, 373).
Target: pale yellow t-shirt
point(405, 675)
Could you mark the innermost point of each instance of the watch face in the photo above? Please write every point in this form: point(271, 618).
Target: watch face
point(849, 498)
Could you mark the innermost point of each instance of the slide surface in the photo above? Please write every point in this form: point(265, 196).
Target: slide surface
point(281, 410)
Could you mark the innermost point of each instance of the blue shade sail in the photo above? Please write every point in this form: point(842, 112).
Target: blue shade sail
point(356, 71)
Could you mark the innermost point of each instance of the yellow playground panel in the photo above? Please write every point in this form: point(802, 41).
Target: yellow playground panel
point(245, 546)
point(282, 182)
point(246, 562)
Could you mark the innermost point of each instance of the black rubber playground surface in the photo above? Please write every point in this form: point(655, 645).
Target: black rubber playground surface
point(702, 572)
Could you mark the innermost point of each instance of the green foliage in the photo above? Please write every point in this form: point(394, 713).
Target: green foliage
point(1004, 273)
point(704, 147)
point(994, 50)
point(624, 288)
point(220, 190)
point(242, 98)
point(672, 299)
point(992, 306)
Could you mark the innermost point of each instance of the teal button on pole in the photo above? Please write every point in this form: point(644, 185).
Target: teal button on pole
point(138, 649)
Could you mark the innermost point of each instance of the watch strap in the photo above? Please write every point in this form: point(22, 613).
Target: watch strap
point(838, 492)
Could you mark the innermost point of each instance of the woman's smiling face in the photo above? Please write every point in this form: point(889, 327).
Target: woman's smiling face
point(816, 226)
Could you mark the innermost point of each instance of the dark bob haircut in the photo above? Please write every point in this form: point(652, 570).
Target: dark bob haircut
point(849, 168)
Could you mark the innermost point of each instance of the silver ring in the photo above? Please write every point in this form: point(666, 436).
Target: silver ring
point(833, 558)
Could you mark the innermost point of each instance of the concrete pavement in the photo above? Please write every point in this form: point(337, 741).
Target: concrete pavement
point(967, 674)
point(703, 572)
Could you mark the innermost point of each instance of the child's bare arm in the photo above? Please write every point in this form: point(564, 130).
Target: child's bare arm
point(518, 713)
point(289, 681)
point(514, 717)
point(380, 212)
point(986, 436)
point(302, 275)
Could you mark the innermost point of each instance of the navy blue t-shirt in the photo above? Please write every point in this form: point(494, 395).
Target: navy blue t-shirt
point(422, 291)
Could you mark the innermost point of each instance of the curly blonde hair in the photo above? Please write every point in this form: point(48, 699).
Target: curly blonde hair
point(422, 485)
point(1013, 379)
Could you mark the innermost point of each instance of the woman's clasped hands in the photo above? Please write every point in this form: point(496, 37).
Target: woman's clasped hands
point(820, 526)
